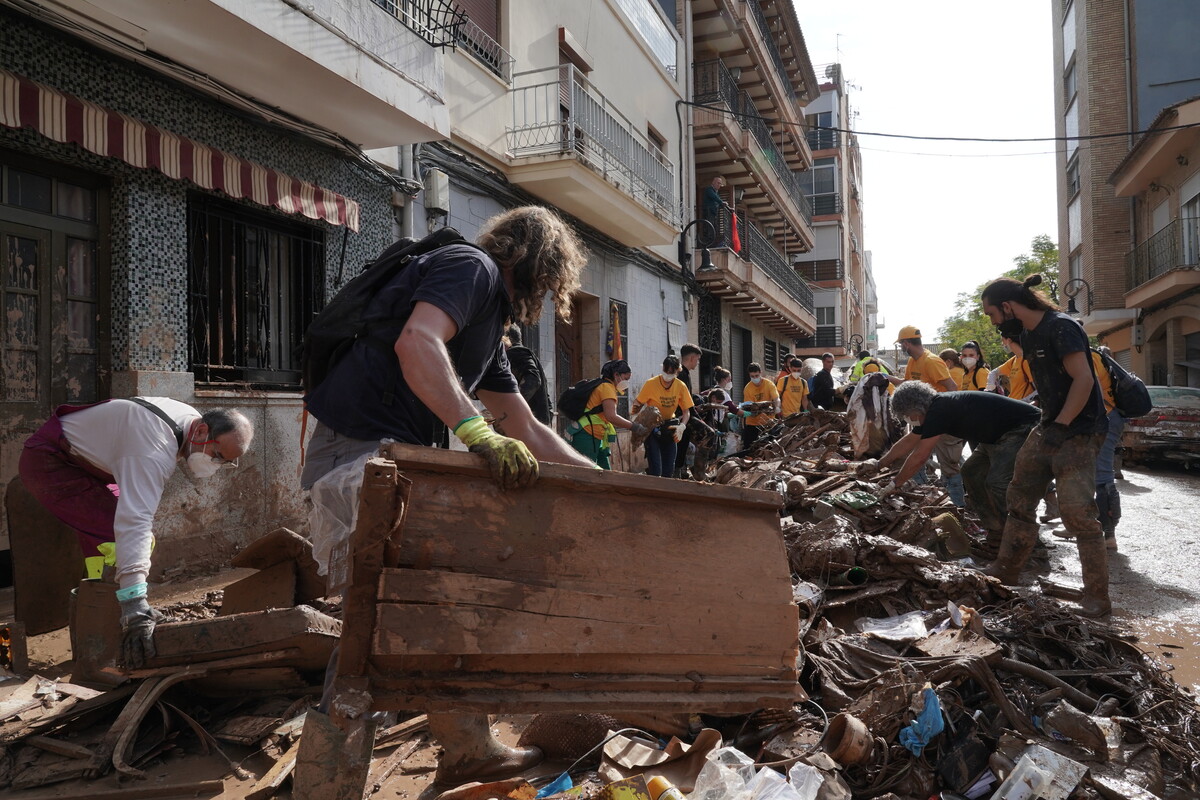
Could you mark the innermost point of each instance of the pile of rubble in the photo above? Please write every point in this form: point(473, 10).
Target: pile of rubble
point(924, 679)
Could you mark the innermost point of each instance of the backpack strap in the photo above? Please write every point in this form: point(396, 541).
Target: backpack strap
point(176, 428)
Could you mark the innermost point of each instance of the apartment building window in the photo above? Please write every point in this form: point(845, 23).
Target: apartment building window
point(1073, 177)
point(1075, 266)
point(819, 136)
point(826, 315)
point(254, 281)
point(821, 185)
point(1069, 87)
point(770, 355)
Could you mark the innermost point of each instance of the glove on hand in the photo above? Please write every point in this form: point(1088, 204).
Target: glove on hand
point(509, 460)
point(1053, 433)
point(137, 624)
point(677, 432)
point(638, 429)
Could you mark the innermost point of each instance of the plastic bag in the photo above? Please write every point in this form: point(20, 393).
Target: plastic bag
point(806, 780)
point(724, 776)
point(334, 514)
point(904, 628)
point(770, 785)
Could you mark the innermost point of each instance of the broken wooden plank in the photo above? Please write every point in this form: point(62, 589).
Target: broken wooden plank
point(382, 769)
point(270, 783)
point(270, 587)
point(205, 667)
point(389, 736)
point(15, 731)
point(58, 746)
point(205, 788)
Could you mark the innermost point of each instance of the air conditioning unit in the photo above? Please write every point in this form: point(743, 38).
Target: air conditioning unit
point(437, 191)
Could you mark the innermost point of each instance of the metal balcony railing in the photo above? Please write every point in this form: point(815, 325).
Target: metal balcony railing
point(827, 203)
point(758, 250)
point(486, 50)
point(1175, 246)
point(772, 47)
point(715, 84)
point(828, 336)
point(823, 139)
point(438, 22)
point(752, 122)
point(557, 110)
point(830, 269)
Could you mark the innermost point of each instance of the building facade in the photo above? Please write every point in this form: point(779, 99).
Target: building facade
point(837, 266)
point(1128, 205)
point(183, 186)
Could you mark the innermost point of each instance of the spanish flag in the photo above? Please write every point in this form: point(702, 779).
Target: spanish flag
point(613, 346)
point(736, 240)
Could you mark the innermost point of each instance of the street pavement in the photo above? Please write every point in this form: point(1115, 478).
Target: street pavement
point(1155, 588)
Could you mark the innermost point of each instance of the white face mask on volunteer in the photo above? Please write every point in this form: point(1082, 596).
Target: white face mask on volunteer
point(622, 385)
point(668, 377)
point(202, 466)
point(969, 362)
point(796, 374)
point(756, 381)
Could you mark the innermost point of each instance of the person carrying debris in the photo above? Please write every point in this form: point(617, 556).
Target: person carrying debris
point(449, 308)
point(102, 469)
point(670, 396)
point(1065, 444)
point(793, 389)
point(925, 366)
point(598, 426)
point(999, 426)
point(758, 391)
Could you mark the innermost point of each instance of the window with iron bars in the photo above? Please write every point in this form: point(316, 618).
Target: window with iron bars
point(770, 355)
point(254, 283)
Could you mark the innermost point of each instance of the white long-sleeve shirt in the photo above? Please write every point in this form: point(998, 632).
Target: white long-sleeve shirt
point(139, 449)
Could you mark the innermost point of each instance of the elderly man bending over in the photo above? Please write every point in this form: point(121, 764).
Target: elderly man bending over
point(997, 424)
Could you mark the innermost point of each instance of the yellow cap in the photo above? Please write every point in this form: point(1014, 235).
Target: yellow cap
point(909, 332)
point(657, 785)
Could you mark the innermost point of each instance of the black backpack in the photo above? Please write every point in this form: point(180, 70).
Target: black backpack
point(572, 403)
point(343, 320)
point(1131, 396)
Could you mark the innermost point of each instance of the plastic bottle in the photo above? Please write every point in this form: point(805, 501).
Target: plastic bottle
point(1025, 782)
point(661, 789)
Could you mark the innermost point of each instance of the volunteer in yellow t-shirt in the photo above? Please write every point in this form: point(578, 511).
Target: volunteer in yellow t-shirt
point(1016, 369)
point(954, 365)
point(975, 379)
point(793, 389)
point(669, 395)
point(595, 431)
point(758, 390)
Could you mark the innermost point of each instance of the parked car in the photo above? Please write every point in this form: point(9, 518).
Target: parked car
point(1170, 432)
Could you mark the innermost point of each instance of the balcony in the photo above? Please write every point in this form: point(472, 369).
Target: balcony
point(484, 49)
point(823, 204)
point(823, 139)
point(759, 281)
point(826, 337)
point(574, 148)
point(732, 140)
point(829, 269)
point(370, 73)
point(1165, 265)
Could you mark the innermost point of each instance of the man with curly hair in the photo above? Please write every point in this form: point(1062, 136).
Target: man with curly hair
point(450, 308)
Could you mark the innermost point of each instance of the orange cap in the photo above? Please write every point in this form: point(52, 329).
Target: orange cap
point(909, 332)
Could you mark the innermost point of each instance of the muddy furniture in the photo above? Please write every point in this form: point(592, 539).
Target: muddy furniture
point(590, 591)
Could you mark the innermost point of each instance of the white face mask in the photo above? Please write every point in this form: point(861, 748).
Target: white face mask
point(969, 362)
point(622, 385)
point(756, 381)
point(727, 385)
point(796, 375)
point(668, 377)
point(202, 466)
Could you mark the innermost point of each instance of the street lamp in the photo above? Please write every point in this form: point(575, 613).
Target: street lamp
point(856, 343)
point(685, 258)
point(1072, 288)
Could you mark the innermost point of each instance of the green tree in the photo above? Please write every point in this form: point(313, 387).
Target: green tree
point(969, 323)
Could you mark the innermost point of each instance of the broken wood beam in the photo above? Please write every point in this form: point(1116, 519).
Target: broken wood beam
point(58, 746)
point(270, 783)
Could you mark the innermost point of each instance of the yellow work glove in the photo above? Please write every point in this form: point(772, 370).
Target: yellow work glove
point(511, 463)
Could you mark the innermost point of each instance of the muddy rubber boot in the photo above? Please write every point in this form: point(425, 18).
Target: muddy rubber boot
point(472, 753)
point(1093, 558)
point(1015, 549)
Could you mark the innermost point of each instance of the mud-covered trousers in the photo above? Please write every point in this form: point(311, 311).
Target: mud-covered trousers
point(987, 474)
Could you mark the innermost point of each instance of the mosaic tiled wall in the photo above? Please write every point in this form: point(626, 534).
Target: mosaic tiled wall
point(148, 210)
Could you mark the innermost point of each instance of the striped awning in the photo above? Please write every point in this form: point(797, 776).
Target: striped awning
point(64, 118)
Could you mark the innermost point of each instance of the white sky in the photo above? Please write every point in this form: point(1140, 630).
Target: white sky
point(941, 225)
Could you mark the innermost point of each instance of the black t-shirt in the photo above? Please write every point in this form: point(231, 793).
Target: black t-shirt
point(977, 416)
point(1056, 336)
point(531, 380)
point(822, 389)
point(366, 395)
